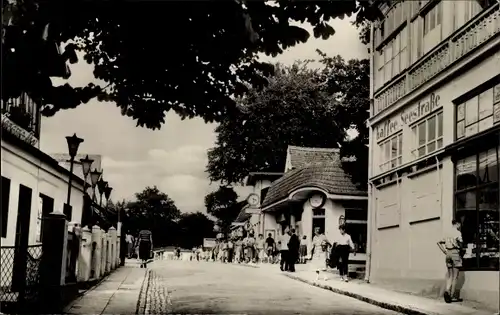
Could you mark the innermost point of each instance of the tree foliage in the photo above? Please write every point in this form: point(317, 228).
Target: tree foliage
point(193, 228)
point(156, 211)
point(157, 56)
point(300, 106)
point(223, 205)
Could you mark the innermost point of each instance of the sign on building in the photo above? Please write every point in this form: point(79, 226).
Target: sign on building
point(209, 242)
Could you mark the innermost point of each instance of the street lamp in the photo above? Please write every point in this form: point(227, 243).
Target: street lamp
point(86, 164)
point(107, 193)
point(94, 178)
point(101, 184)
point(73, 144)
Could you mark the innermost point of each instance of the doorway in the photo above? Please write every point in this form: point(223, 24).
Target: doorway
point(22, 238)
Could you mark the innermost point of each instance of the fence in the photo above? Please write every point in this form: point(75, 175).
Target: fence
point(20, 277)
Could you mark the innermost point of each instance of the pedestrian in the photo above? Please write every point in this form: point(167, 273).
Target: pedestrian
point(293, 250)
point(178, 253)
point(270, 248)
point(452, 247)
point(225, 249)
point(199, 252)
point(284, 251)
point(343, 248)
point(230, 250)
point(130, 244)
point(145, 241)
point(319, 249)
point(259, 245)
point(250, 248)
point(303, 250)
point(238, 249)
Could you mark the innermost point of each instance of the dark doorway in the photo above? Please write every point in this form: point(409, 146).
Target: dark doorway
point(22, 238)
point(5, 204)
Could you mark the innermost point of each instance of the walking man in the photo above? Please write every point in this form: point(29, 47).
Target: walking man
point(452, 247)
point(284, 251)
point(293, 250)
point(130, 244)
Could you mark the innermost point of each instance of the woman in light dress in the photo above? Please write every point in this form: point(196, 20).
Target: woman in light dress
point(319, 252)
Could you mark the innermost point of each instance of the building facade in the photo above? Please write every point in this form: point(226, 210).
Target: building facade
point(315, 192)
point(434, 144)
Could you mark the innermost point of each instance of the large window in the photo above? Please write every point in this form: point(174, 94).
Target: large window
point(477, 208)
point(392, 59)
point(479, 113)
point(391, 153)
point(428, 135)
point(45, 206)
point(433, 18)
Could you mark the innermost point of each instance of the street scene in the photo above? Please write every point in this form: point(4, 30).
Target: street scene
point(250, 157)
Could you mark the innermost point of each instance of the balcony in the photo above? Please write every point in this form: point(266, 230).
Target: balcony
point(21, 118)
point(476, 32)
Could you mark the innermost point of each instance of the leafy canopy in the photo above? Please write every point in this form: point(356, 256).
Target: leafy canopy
point(157, 56)
point(156, 211)
point(193, 228)
point(301, 107)
point(223, 205)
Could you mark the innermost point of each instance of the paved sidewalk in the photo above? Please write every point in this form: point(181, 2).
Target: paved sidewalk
point(397, 301)
point(118, 294)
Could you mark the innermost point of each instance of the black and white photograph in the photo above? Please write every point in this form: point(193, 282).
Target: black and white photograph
point(250, 157)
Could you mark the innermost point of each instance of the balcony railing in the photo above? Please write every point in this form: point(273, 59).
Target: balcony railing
point(21, 116)
point(474, 33)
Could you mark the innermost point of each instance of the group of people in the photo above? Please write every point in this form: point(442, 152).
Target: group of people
point(288, 250)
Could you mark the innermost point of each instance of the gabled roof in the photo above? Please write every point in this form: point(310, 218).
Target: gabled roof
point(253, 177)
point(313, 167)
point(302, 156)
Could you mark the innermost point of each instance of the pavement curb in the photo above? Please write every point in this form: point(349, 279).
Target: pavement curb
point(141, 301)
point(388, 306)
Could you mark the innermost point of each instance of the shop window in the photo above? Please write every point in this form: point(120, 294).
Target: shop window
point(428, 135)
point(477, 208)
point(391, 153)
point(479, 113)
point(5, 204)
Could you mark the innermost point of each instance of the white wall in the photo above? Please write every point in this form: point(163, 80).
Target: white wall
point(22, 168)
point(333, 211)
point(460, 85)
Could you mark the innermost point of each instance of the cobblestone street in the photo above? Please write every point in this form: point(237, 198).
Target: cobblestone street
point(203, 287)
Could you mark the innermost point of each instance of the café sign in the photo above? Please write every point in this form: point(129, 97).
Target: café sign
point(12, 128)
point(408, 116)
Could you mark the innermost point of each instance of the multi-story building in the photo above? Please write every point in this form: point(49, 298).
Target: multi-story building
point(434, 143)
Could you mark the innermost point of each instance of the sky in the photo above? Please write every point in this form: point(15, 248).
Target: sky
point(172, 158)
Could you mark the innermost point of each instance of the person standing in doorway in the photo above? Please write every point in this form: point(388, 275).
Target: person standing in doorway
point(344, 247)
point(452, 247)
point(145, 246)
point(285, 238)
point(293, 250)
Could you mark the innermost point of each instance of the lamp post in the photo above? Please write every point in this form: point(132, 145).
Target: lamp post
point(94, 178)
point(107, 193)
point(101, 185)
point(73, 144)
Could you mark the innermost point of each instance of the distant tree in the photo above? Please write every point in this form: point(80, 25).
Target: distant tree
point(207, 56)
point(193, 228)
point(155, 210)
point(349, 82)
point(223, 205)
point(302, 107)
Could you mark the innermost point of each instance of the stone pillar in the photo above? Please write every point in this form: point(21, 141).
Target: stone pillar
point(104, 252)
point(85, 259)
point(114, 247)
point(96, 249)
point(53, 263)
point(109, 251)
